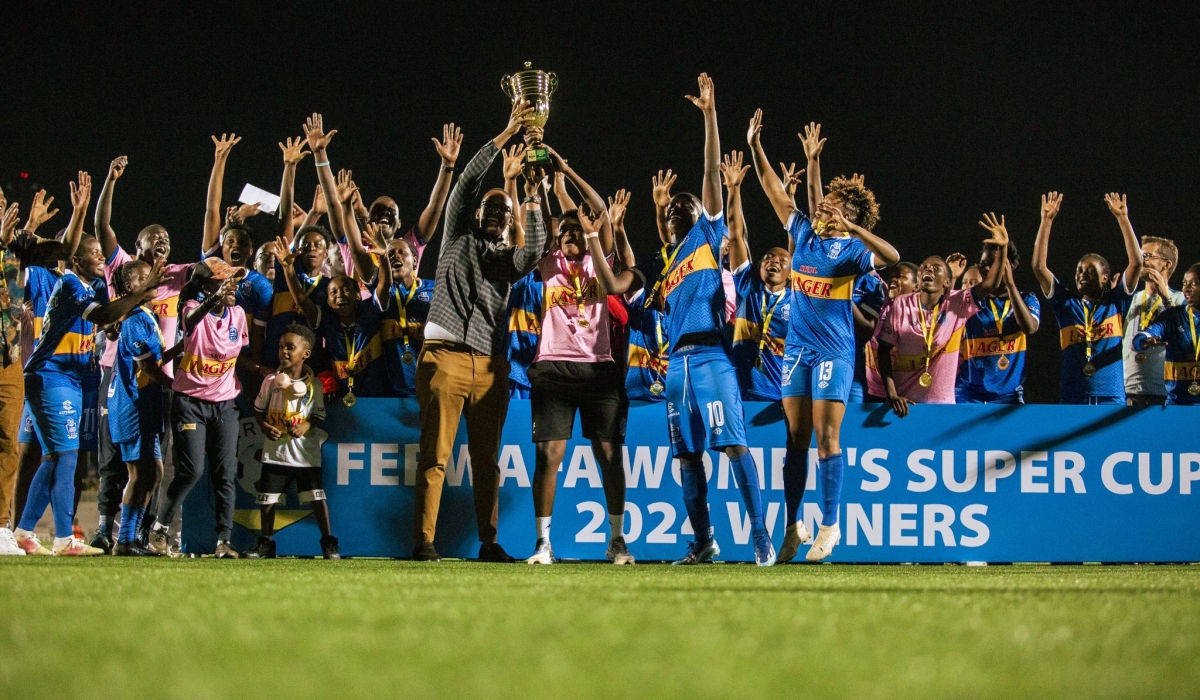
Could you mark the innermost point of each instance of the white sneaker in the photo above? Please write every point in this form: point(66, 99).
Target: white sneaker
point(8, 544)
point(618, 552)
point(795, 536)
point(542, 553)
point(827, 537)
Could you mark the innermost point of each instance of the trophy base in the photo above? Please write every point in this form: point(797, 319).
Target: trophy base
point(538, 157)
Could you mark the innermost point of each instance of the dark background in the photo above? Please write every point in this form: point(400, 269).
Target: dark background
point(949, 110)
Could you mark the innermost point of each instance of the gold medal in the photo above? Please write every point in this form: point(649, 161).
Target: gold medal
point(1089, 369)
point(407, 358)
point(349, 399)
point(1140, 357)
point(1003, 362)
point(758, 364)
point(926, 380)
point(583, 322)
point(1194, 389)
point(657, 387)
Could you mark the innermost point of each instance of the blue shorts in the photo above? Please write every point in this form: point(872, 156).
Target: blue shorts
point(89, 436)
point(704, 404)
point(144, 447)
point(824, 378)
point(25, 434)
point(56, 411)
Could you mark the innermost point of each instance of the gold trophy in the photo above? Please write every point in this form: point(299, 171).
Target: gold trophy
point(535, 86)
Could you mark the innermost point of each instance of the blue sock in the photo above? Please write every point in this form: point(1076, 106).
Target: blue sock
point(831, 488)
point(62, 493)
point(39, 496)
point(695, 500)
point(126, 534)
point(747, 477)
point(137, 514)
point(795, 478)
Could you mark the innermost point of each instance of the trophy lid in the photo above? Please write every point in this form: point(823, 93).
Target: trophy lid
point(530, 83)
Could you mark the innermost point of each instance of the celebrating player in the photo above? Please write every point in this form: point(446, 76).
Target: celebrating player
point(1090, 317)
point(1175, 331)
point(1144, 369)
point(818, 362)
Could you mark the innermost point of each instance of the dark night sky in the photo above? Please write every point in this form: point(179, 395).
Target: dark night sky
point(950, 110)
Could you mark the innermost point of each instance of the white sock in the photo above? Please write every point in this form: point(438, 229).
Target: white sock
point(616, 525)
point(61, 542)
point(22, 533)
point(543, 528)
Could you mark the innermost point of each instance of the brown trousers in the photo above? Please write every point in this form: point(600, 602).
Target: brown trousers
point(451, 384)
point(12, 398)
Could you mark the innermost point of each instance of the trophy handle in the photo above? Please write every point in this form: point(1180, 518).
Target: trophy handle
point(506, 84)
point(553, 78)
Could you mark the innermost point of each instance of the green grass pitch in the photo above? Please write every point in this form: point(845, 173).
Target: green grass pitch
point(122, 628)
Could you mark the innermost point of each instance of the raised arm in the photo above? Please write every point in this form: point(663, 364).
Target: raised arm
point(561, 195)
point(383, 285)
point(591, 198)
point(618, 204)
point(293, 153)
point(286, 259)
point(318, 141)
point(9, 217)
point(526, 257)
point(1025, 319)
point(448, 149)
point(470, 181)
point(995, 275)
point(40, 211)
point(364, 263)
point(885, 254)
point(514, 160)
point(776, 192)
point(1133, 250)
point(627, 281)
point(662, 197)
point(1051, 203)
point(116, 310)
point(813, 145)
point(711, 190)
point(216, 181)
point(104, 231)
point(193, 317)
point(734, 172)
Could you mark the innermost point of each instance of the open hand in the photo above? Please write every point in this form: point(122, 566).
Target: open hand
point(996, 228)
point(8, 221)
point(811, 141)
point(81, 194)
point(314, 131)
point(318, 205)
point(662, 188)
point(705, 101)
point(791, 178)
point(957, 264)
point(521, 112)
point(156, 279)
point(271, 431)
point(372, 236)
point(732, 170)
point(298, 215)
point(591, 224)
point(514, 161)
point(1051, 203)
point(448, 147)
point(617, 205)
point(39, 211)
point(282, 253)
point(224, 144)
point(754, 133)
point(899, 405)
point(345, 186)
point(293, 150)
point(117, 168)
point(1117, 204)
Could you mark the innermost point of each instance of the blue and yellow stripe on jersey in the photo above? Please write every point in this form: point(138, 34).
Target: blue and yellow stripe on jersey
point(1106, 321)
point(757, 356)
point(824, 271)
point(66, 348)
point(649, 352)
point(39, 284)
point(525, 304)
point(404, 320)
point(285, 310)
point(692, 292)
point(356, 351)
point(1179, 327)
point(993, 356)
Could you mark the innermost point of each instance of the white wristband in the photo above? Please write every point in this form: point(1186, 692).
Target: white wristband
point(324, 164)
point(593, 234)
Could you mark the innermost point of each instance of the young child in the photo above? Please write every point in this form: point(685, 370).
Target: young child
point(290, 408)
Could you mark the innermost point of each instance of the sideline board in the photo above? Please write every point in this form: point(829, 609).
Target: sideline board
point(945, 484)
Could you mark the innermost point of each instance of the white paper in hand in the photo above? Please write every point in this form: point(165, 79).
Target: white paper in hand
point(267, 202)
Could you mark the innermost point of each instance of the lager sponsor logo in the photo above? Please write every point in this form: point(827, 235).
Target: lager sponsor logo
point(702, 259)
point(205, 366)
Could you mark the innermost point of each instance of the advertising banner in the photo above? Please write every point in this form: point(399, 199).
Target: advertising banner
point(946, 484)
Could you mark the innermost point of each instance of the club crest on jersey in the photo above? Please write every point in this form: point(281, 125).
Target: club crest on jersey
point(835, 250)
point(233, 334)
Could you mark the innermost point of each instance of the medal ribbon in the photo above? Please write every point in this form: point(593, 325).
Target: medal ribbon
point(1000, 315)
point(1088, 316)
point(767, 315)
point(353, 350)
point(575, 273)
point(1195, 345)
point(403, 306)
point(929, 330)
point(668, 262)
point(662, 347)
point(1148, 316)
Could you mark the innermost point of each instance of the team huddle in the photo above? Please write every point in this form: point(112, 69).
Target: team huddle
point(145, 366)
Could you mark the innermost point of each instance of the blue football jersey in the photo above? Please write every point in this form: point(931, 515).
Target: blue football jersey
point(362, 340)
point(648, 356)
point(39, 284)
point(693, 295)
point(524, 326)
point(870, 295)
point(758, 356)
point(135, 402)
point(993, 355)
point(1106, 321)
point(403, 331)
point(284, 311)
point(1179, 326)
point(66, 349)
point(824, 272)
